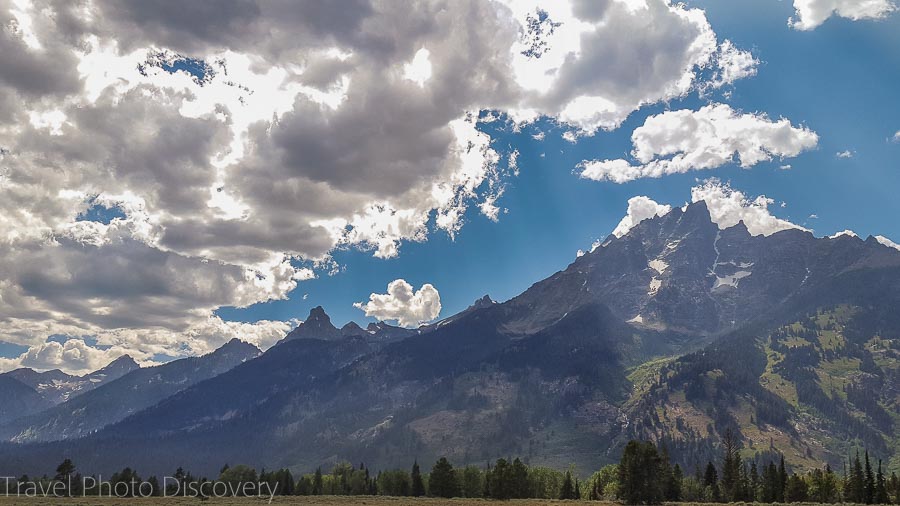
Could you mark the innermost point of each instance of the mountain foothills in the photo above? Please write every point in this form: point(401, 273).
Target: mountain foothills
point(676, 332)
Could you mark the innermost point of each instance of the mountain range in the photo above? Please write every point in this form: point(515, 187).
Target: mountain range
point(677, 331)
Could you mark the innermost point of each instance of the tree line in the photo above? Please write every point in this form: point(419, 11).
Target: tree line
point(644, 475)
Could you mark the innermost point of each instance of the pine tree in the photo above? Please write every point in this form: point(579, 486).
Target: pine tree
point(881, 494)
point(568, 488)
point(317, 484)
point(731, 467)
point(782, 480)
point(638, 472)
point(894, 487)
point(770, 483)
point(64, 473)
point(518, 480)
point(711, 482)
point(442, 482)
point(854, 490)
point(869, 495)
point(795, 489)
point(418, 487)
point(754, 482)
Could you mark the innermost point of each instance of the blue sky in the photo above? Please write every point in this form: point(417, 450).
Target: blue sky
point(840, 80)
point(167, 186)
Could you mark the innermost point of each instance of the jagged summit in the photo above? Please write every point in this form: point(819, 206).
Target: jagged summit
point(485, 301)
point(237, 346)
point(352, 329)
point(316, 326)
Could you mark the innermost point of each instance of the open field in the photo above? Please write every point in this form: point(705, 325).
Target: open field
point(321, 501)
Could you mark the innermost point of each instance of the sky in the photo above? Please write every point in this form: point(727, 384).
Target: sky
point(174, 176)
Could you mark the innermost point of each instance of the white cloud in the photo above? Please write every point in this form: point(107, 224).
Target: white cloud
point(679, 141)
point(314, 126)
point(640, 208)
point(75, 356)
point(887, 242)
point(896, 137)
point(401, 303)
point(812, 13)
point(733, 64)
point(844, 154)
point(727, 207)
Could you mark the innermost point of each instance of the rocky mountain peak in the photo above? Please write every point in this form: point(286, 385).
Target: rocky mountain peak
point(352, 329)
point(316, 326)
point(485, 301)
point(237, 346)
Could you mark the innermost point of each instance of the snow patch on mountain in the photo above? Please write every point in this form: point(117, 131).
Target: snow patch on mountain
point(731, 280)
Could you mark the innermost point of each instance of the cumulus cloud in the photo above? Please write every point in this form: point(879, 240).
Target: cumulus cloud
point(812, 13)
point(896, 137)
point(640, 208)
point(844, 154)
point(727, 207)
point(585, 73)
point(680, 141)
point(408, 307)
point(732, 64)
point(242, 142)
point(75, 356)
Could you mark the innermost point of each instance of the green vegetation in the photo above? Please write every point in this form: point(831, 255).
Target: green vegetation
point(644, 475)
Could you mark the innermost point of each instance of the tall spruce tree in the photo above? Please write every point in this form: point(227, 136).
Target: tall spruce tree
point(417, 488)
point(731, 467)
point(782, 480)
point(318, 484)
point(567, 491)
point(638, 472)
point(854, 489)
point(869, 494)
point(881, 493)
point(442, 482)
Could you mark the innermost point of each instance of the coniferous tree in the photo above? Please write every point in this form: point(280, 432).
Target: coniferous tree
point(782, 480)
point(568, 488)
point(672, 491)
point(318, 484)
point(881, 494)
point(442, 482)
point(869, 494)
point(731, 468)
point(753, 482)
point(894, 488)
point(854, 490)
point(417, 487)
point(638, 471)
point(65, 473)
point(711, 482)
point(770, 484)
point(796, 490)
point(518, 480)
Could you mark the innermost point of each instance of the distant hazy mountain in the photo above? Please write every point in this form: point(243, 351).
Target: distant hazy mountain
point(56, 386)
point(128, 394)
point(18, 399)
point(676, 331)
